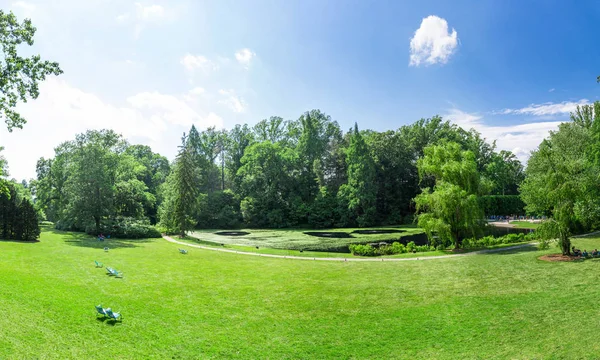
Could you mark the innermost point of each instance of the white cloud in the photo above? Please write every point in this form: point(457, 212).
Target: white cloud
point(197, 91)
point(551, 90)
point(233, 101)
point(521, 139)
point(193, 62)
point(61, 111)
point(549, 108)
point(244, 56)
point(432, 42)
point(25, 8)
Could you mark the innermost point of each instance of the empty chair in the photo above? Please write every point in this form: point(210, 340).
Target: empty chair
point(114, 272)
point(98, 264)
point(183, 251)
point(113, 315)
point(100, 311)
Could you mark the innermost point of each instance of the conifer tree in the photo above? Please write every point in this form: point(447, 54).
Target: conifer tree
point(186, 191)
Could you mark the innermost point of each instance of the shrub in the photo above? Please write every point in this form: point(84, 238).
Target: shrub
point(362, 250)
point(398, 248)
point(491, 241)
point(126, 228)
point(395, 248)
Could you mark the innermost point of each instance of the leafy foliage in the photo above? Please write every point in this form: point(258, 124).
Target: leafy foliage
point(474, 243)
point(502, 205)
point(561, 180)
point(96, 178)
point(451, 211)
point(20, 75)
point(393, 249)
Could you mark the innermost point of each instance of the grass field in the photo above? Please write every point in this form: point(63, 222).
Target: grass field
point(217, 305)
point(297, 239)
point(525, 224)
point(325, 254)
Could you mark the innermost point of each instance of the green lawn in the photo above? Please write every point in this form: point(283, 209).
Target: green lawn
point(297, 239)
point(324, 254)
point(217, 305)
point(525, 224)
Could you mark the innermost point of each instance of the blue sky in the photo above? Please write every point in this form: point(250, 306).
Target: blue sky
point(512, 70)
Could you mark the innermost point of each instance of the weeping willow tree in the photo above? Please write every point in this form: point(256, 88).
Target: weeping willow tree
point(451, 210)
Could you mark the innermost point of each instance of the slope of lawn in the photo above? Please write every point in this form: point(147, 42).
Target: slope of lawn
point(217, 305)
point(296, 239)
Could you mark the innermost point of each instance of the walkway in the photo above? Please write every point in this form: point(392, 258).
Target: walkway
point(170, 239)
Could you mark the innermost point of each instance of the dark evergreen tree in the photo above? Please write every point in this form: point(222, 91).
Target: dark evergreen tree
point(186, 178)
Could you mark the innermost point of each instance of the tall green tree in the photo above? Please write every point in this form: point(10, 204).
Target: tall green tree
point(451, 211)
point(185, 180)
point(267, 189)
point(19, 75)
point(359, 195)
point(396, 175)
point(239, 138)
point(562, 182)
point(91, 186)
point(505, 172)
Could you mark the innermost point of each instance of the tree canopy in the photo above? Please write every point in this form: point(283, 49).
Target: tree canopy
point(562, 177)
point(20, 76)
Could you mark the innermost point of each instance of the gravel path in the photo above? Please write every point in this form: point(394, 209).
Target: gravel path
point(351, 258)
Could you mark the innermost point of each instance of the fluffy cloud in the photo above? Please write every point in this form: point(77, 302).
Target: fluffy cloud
point(432, 42)
point(549, 108)
point(193, 62)
point(61, 111)
point(244, 56)
point(233, 101)
point(520, 139)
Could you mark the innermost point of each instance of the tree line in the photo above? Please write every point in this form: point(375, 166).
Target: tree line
point(279, 173)
point(309, 172)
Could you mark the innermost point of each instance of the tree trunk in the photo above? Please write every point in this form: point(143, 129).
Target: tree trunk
point(97, 219)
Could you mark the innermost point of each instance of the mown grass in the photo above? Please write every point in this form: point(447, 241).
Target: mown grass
point(296, 239)
point(525, 224)
point(324, 254)
point(218, 305)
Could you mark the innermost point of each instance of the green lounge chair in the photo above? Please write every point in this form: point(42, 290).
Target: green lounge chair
point(98, 264)
point(114, 272)
point(113, 315)
point(100, 311)
point(183, 251)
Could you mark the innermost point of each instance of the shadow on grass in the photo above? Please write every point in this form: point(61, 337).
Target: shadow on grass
point(107, 321)
point(203, 242)
point(84, 240)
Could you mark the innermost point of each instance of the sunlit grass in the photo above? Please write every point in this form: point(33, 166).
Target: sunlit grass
point(208, 304)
